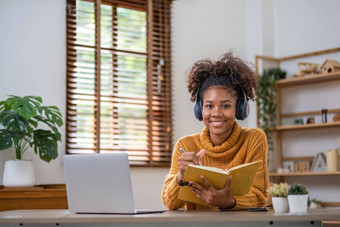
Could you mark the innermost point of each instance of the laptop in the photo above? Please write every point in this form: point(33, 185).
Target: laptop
point(100, 183)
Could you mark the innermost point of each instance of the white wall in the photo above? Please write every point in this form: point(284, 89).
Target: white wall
point(33, 58)
point(32, 62)
point(201, 29)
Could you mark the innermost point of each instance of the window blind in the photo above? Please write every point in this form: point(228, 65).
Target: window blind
point(119, 79)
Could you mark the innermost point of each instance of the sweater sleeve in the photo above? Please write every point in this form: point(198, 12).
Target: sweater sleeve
point(170, 187)
point(257, 150)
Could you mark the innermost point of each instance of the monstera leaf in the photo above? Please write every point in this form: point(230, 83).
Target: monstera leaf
point(13, 121)
point(52, 113)
point(50, 124)
point(45, 144)
point(25, 106)
point(5, 139)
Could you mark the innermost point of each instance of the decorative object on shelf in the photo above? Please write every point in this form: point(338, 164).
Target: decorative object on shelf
point(314, 204)
point(319, 163)
point(307, 68)
point(330, 66)
point(324, 115)
point(301, 166)
point(297, 198)
point(266, 102)
point(298, 121)
point(21, 118)
point(279, 194)
point(310, 120)
point(336, 117)
point(332, 160)
point(288, 166)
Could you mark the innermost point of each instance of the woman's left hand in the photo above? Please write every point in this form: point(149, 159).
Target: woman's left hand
point(221, 198)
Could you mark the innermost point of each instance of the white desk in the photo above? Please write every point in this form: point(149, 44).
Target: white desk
point(168, 218)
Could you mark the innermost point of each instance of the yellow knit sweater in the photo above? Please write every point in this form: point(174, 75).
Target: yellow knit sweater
point(243, 145)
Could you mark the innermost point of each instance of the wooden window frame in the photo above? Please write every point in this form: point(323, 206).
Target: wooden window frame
point(159, 123)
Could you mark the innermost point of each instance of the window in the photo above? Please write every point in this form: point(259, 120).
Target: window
point(118, 79)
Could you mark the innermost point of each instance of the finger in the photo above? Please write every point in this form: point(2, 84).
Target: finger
point(197, 190)
point(198, 193)
point(227, 188)
point(207, 183)
point(200, 153)
point(188, 156)
point(196, 185)
point(228, 184)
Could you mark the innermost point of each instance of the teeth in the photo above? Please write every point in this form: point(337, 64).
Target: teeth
point(217, 123)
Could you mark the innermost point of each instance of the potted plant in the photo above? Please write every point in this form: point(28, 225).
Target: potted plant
point(279, 194)
point(27, 124)
point(266, 102)
point(297, 198)
point(314, 204)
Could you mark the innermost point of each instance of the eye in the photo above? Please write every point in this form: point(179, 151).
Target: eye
point(226, 106)
point(209, 106)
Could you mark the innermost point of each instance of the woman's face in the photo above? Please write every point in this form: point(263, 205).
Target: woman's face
point(219, 108)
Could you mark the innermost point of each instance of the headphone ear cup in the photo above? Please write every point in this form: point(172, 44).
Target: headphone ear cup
point(198, 108)
point(242, 109)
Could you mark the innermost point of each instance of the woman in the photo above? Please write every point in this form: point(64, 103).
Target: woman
point(220, 91)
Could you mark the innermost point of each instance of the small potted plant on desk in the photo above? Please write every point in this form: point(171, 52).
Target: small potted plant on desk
point(21, 119)
point(279, 194)
point(297, 198)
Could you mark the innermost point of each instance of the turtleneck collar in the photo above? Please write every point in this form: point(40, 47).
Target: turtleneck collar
point(230, 142)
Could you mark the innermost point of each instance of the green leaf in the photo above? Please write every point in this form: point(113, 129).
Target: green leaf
point(25, 106)
point(5, 139)
point(45, 143)
point(13, 121)
point(50, 124)
point(266, 101)
point(4, 106)
point(52, 113)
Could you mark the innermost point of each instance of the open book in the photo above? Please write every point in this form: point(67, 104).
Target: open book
point(242, 178)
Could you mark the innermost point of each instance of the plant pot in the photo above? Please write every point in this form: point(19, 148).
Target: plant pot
point(298, 203)
point(280, 204)
point(18, 173)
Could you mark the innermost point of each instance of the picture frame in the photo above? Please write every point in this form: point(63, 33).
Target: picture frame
point(288, 166)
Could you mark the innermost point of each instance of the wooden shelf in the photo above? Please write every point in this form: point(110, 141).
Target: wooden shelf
point(308, 126)
point(308, 79)
point(296, 174)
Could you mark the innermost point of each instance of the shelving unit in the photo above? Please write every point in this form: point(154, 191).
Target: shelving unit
point(280, 129)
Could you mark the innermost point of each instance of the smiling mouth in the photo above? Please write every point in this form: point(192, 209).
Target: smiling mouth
point(216, 123)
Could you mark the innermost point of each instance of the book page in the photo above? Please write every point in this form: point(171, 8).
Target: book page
point(210, 168)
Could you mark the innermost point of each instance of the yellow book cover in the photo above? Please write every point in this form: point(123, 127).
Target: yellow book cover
point(242, 178)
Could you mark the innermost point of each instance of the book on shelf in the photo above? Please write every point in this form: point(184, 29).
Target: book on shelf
point(241, 180)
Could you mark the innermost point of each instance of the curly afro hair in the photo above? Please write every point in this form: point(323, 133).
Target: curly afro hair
point(230, 72)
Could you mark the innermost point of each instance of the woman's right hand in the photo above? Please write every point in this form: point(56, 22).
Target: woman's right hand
point(188, 158)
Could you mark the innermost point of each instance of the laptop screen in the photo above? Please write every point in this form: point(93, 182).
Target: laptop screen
point(98, 183)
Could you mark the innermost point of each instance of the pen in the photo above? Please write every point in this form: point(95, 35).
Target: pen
point(183, 151)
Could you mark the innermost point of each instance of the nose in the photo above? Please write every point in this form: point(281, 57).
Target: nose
point(216, 111)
